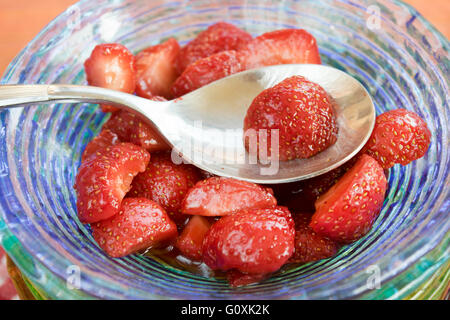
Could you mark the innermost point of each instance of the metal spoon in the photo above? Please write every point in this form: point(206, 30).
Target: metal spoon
point(205, 126)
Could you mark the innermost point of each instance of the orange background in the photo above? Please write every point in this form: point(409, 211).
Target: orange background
point(21, 20)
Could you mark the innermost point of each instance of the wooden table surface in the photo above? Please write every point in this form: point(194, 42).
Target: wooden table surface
point(21, 20)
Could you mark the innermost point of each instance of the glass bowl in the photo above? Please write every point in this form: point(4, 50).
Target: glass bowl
point(399, 57)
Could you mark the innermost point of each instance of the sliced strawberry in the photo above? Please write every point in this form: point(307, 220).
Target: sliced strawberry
point(218, 37)
point(219, 196)
point(191, 239)
point(256, 241)
point(347, 211)
point(139, 224)
point(156, 69)
point(131, 128)
point(207, 70)
point(300, 111)
point(165, 183)
point(7, 288)
point(102, 182)
point(111, 66)
point(300, 196)
point(105, 139)
point(310, 246)
point(238, 279)
point(286, 46)
point(399, 136)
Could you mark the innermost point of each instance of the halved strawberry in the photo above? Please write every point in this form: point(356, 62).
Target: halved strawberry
point(7, 288)
point(236, 278)
point(207, 70)
point(399, 136)
point(284, 46)
point(111, 66)
point(166, 183)
point(256, 241)
point(191, 239)
point(139, 224)
point(105, 139)
point(155, 69)
point(218, 37)
point(102, 182)
point(300, 196)
point(300, 111)
point(347, 211)
point(219, 196)
point(129, 127)
point(310, 246)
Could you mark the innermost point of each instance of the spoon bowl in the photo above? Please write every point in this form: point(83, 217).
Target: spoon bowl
point(205, 127)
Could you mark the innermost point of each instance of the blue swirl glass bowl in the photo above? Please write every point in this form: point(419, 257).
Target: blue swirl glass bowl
point(399, 57)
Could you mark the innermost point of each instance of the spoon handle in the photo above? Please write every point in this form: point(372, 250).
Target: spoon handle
point(22, 95)
point(17, 95)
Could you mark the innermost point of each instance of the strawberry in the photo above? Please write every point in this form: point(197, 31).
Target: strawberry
point(218, 37)
point(102, 182)
point(219, 196)
point(165, 183)
point(155, 69)
point(207, 70)
point(347, 210)
point(105, 139)
point(129, 127)
point(399, 136)
point(302, 195)
point(310, 246)
point(139, 224)
point(302, 113)
point(256, 241)
point(7, 288)
point(238, 279)
point(286, 46)
point(191, 239)
point(111, 66)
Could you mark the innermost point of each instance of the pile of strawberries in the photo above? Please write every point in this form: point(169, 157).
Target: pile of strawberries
point(134, 197)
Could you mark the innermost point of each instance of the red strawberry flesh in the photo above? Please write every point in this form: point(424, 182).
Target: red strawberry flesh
point(111, 66)
point(102, 181)
point(155, 69)
point(300, 196)
point(166, 183)
point(347, 211)
point(239, 279)
point(218, 196)
point(399, 136)
point(302, 113)
point(105, 139)
point(218, 37)
point(207, 70)
point(310, 246)
point(130, 127)
point(256, 241)
point(191, 239)
point(286, 46)
point(139, 224)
